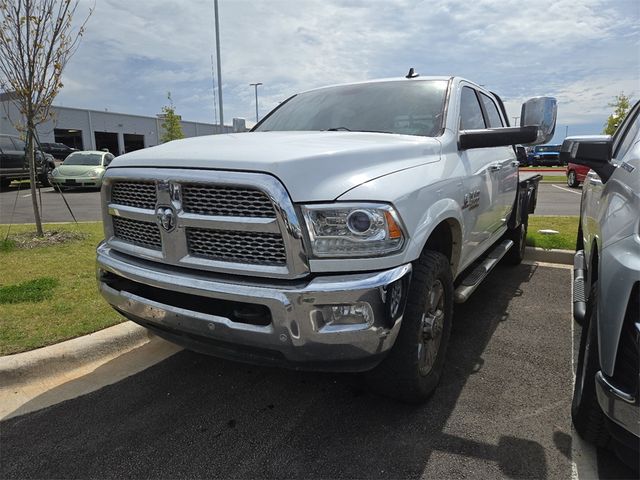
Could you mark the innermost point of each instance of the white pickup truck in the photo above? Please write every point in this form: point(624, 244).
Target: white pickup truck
point(336, 235)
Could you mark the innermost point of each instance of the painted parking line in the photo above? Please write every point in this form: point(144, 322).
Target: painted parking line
point(567, 190)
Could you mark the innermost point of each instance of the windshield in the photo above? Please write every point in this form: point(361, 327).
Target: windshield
point(92, 159)
point(411, 108)
point(548, 148)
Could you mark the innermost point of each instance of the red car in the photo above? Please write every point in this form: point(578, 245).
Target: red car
point(576, 174)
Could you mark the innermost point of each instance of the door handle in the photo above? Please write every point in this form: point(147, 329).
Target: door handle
point(495, 167)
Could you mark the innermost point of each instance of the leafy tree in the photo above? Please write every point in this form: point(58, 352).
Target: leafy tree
point(621, 108)
point(171, 123)
point(36, 42)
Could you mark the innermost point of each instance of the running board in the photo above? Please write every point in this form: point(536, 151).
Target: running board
point(475, 278)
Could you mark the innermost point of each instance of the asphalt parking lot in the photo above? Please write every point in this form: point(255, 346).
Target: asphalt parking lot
point(15, 205)
point(501, 411)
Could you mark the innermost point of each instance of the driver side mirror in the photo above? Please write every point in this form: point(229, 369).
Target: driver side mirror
point(593, 151)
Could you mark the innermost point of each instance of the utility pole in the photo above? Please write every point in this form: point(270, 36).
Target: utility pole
point(215, 9)
point(255, 85)
point(566, 131)
point(515, 121)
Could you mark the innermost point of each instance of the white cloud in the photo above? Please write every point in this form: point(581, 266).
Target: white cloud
point(134, 52)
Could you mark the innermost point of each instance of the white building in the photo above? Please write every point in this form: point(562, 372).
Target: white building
point(95, 130)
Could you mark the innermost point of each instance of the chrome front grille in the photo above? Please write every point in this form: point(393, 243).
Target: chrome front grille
point(231, 222)
point(134, 194)
point(145, 234)
point(226, 201)
point(237, 246)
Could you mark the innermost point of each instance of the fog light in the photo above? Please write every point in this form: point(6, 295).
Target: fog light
point(359, 313)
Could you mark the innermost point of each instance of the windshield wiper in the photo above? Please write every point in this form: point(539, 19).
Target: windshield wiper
point(345, 129)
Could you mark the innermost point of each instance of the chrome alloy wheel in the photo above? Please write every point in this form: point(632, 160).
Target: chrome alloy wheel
point(431, 329)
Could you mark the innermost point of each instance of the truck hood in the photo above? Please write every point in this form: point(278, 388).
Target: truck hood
point(313, 166)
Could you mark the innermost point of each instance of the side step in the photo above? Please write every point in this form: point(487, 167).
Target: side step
point(579, 294)
point(475, 278)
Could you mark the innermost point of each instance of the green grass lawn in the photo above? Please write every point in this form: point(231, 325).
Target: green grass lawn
point(49, 293)
point(564, 240)
point(554, 179)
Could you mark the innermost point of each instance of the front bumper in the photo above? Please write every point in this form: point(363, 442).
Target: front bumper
point(176, 303)
point(77, 182)
point(619, 407)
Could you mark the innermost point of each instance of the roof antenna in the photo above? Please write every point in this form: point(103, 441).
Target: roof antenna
point(412, 73)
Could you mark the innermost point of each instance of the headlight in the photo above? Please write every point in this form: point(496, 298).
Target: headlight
point(94, 173)
point(353, 230)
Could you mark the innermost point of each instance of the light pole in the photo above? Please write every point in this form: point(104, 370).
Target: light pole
point(255, 85)
point(515, 120)
point(215, 12)
point(566, 131)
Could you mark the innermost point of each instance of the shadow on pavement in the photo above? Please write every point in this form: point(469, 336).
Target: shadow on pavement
point(501, 410)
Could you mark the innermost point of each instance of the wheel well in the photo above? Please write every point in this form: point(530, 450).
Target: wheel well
point(446, 239)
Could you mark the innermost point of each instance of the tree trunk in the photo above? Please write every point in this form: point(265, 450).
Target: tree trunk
point(31, 159)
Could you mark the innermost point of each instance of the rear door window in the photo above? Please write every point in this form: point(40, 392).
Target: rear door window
point(20, 145)
point(470, 112)
point(492, 111)
point(6, 144)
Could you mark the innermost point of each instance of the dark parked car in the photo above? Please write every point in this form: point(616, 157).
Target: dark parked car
point(13, 163)
point(606, 289)
point(60, 151)
point(545, 156)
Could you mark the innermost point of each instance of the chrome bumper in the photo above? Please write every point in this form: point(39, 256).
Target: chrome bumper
point(620, 407)
point(296, 336)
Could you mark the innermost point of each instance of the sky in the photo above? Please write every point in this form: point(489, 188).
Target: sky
point(583, 52)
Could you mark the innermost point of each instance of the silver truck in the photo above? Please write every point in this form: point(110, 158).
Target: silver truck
point(336, 235)
point(606, 297)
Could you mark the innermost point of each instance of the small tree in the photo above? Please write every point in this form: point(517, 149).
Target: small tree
point(171, 123)
point(36, 42)
point(621, 108)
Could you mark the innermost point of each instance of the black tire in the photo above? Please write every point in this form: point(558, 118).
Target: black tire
point(587, 416)
point(412, 369)
point(518, 235)
point(4, 183)
point(44, 177)
point(572, 179)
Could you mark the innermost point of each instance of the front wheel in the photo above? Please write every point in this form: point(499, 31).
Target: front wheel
point(586, 413)
point(414, 365)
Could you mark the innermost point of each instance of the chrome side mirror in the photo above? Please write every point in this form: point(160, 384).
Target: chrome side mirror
point(540, 112)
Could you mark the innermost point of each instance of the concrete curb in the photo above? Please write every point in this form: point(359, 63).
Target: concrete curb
point(564, 257)
point(64, 357)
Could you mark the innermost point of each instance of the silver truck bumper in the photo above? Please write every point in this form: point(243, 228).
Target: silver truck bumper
point(333, 323)
point(619, 406)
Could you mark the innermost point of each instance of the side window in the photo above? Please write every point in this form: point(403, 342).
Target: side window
point(492, 112)
point(470, 112)
point(6, 143)
point(20, 145)
point(627, 138)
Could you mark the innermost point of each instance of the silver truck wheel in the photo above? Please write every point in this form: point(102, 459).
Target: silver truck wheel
point(412, 369)
point(515, 255)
